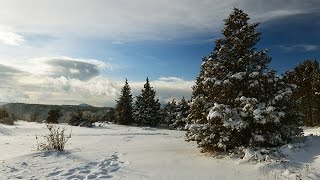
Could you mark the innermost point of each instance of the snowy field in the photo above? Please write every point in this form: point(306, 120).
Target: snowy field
point(122, 152)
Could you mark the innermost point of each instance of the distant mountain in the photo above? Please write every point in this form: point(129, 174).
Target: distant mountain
point(39, 112)
point(86, 105)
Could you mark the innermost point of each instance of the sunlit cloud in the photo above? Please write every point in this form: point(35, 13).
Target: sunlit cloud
point(9, 37)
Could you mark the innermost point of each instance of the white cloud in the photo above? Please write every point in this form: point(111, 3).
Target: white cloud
point(59, 80)
point(170, 79)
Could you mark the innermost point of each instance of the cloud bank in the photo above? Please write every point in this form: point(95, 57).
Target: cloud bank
point(65, 80)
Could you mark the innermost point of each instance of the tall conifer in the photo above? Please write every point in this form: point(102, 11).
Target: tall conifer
point(147, 107)
point(238, 100)
point(124, 111)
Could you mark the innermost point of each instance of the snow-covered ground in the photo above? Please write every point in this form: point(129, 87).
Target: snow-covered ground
point(123, 152)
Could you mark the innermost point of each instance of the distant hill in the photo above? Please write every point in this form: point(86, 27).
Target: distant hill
point(86, 105)
point(39, 112)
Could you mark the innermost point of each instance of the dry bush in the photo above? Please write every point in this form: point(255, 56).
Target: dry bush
point(55, 140)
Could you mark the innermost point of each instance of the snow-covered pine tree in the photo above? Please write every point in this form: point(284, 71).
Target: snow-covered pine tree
point(124, 110)
point(198, 110)
point(237, 100)
point(147, 107)
point(182, 111)
point(307, 78)
point(170, 110)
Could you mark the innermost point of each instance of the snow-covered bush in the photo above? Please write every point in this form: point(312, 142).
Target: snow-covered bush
point(175, 114)
point(55, 140)
point(238, 101)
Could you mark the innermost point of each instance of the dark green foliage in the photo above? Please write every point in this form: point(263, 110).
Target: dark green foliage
point(170, 110)
point(176, 114)
point(307, 78)
point(35, 115)
point(147, 108)
point(5, 117)
point(182, 112)
point(76, 118)
point(123, 110)
point(238, 100)
point(81, 118)
point(3, 113)
point(53, 116)
point(109, 116)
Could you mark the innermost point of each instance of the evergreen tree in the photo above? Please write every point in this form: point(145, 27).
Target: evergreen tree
point(237, 100)
point(307, 78)
point(123, 111)
point(198, 110)
point(76, 118)
point(170, 112)
point(147, 108)
point(54, 116)
point(181, 113)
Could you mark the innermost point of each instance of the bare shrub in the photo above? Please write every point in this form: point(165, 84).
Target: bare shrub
point(55, 140)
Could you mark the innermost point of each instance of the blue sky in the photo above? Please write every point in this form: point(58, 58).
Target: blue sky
point(73, 52)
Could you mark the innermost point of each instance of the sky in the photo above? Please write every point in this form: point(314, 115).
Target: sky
point(81, 51)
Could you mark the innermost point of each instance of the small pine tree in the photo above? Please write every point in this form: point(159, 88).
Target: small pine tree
point(170, 110)
point(147, 108)
point(307, 78)
point(76, 118)
point(182, 112)
point(123, 111)
point(238, 100)
point(53, 116)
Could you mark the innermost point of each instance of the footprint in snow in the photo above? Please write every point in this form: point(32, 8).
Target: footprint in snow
point(94, 170)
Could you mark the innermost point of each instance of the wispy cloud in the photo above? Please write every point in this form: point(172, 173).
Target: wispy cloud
point(299, 47)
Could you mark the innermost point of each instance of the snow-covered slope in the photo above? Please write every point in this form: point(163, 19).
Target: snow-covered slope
point(122, 152)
